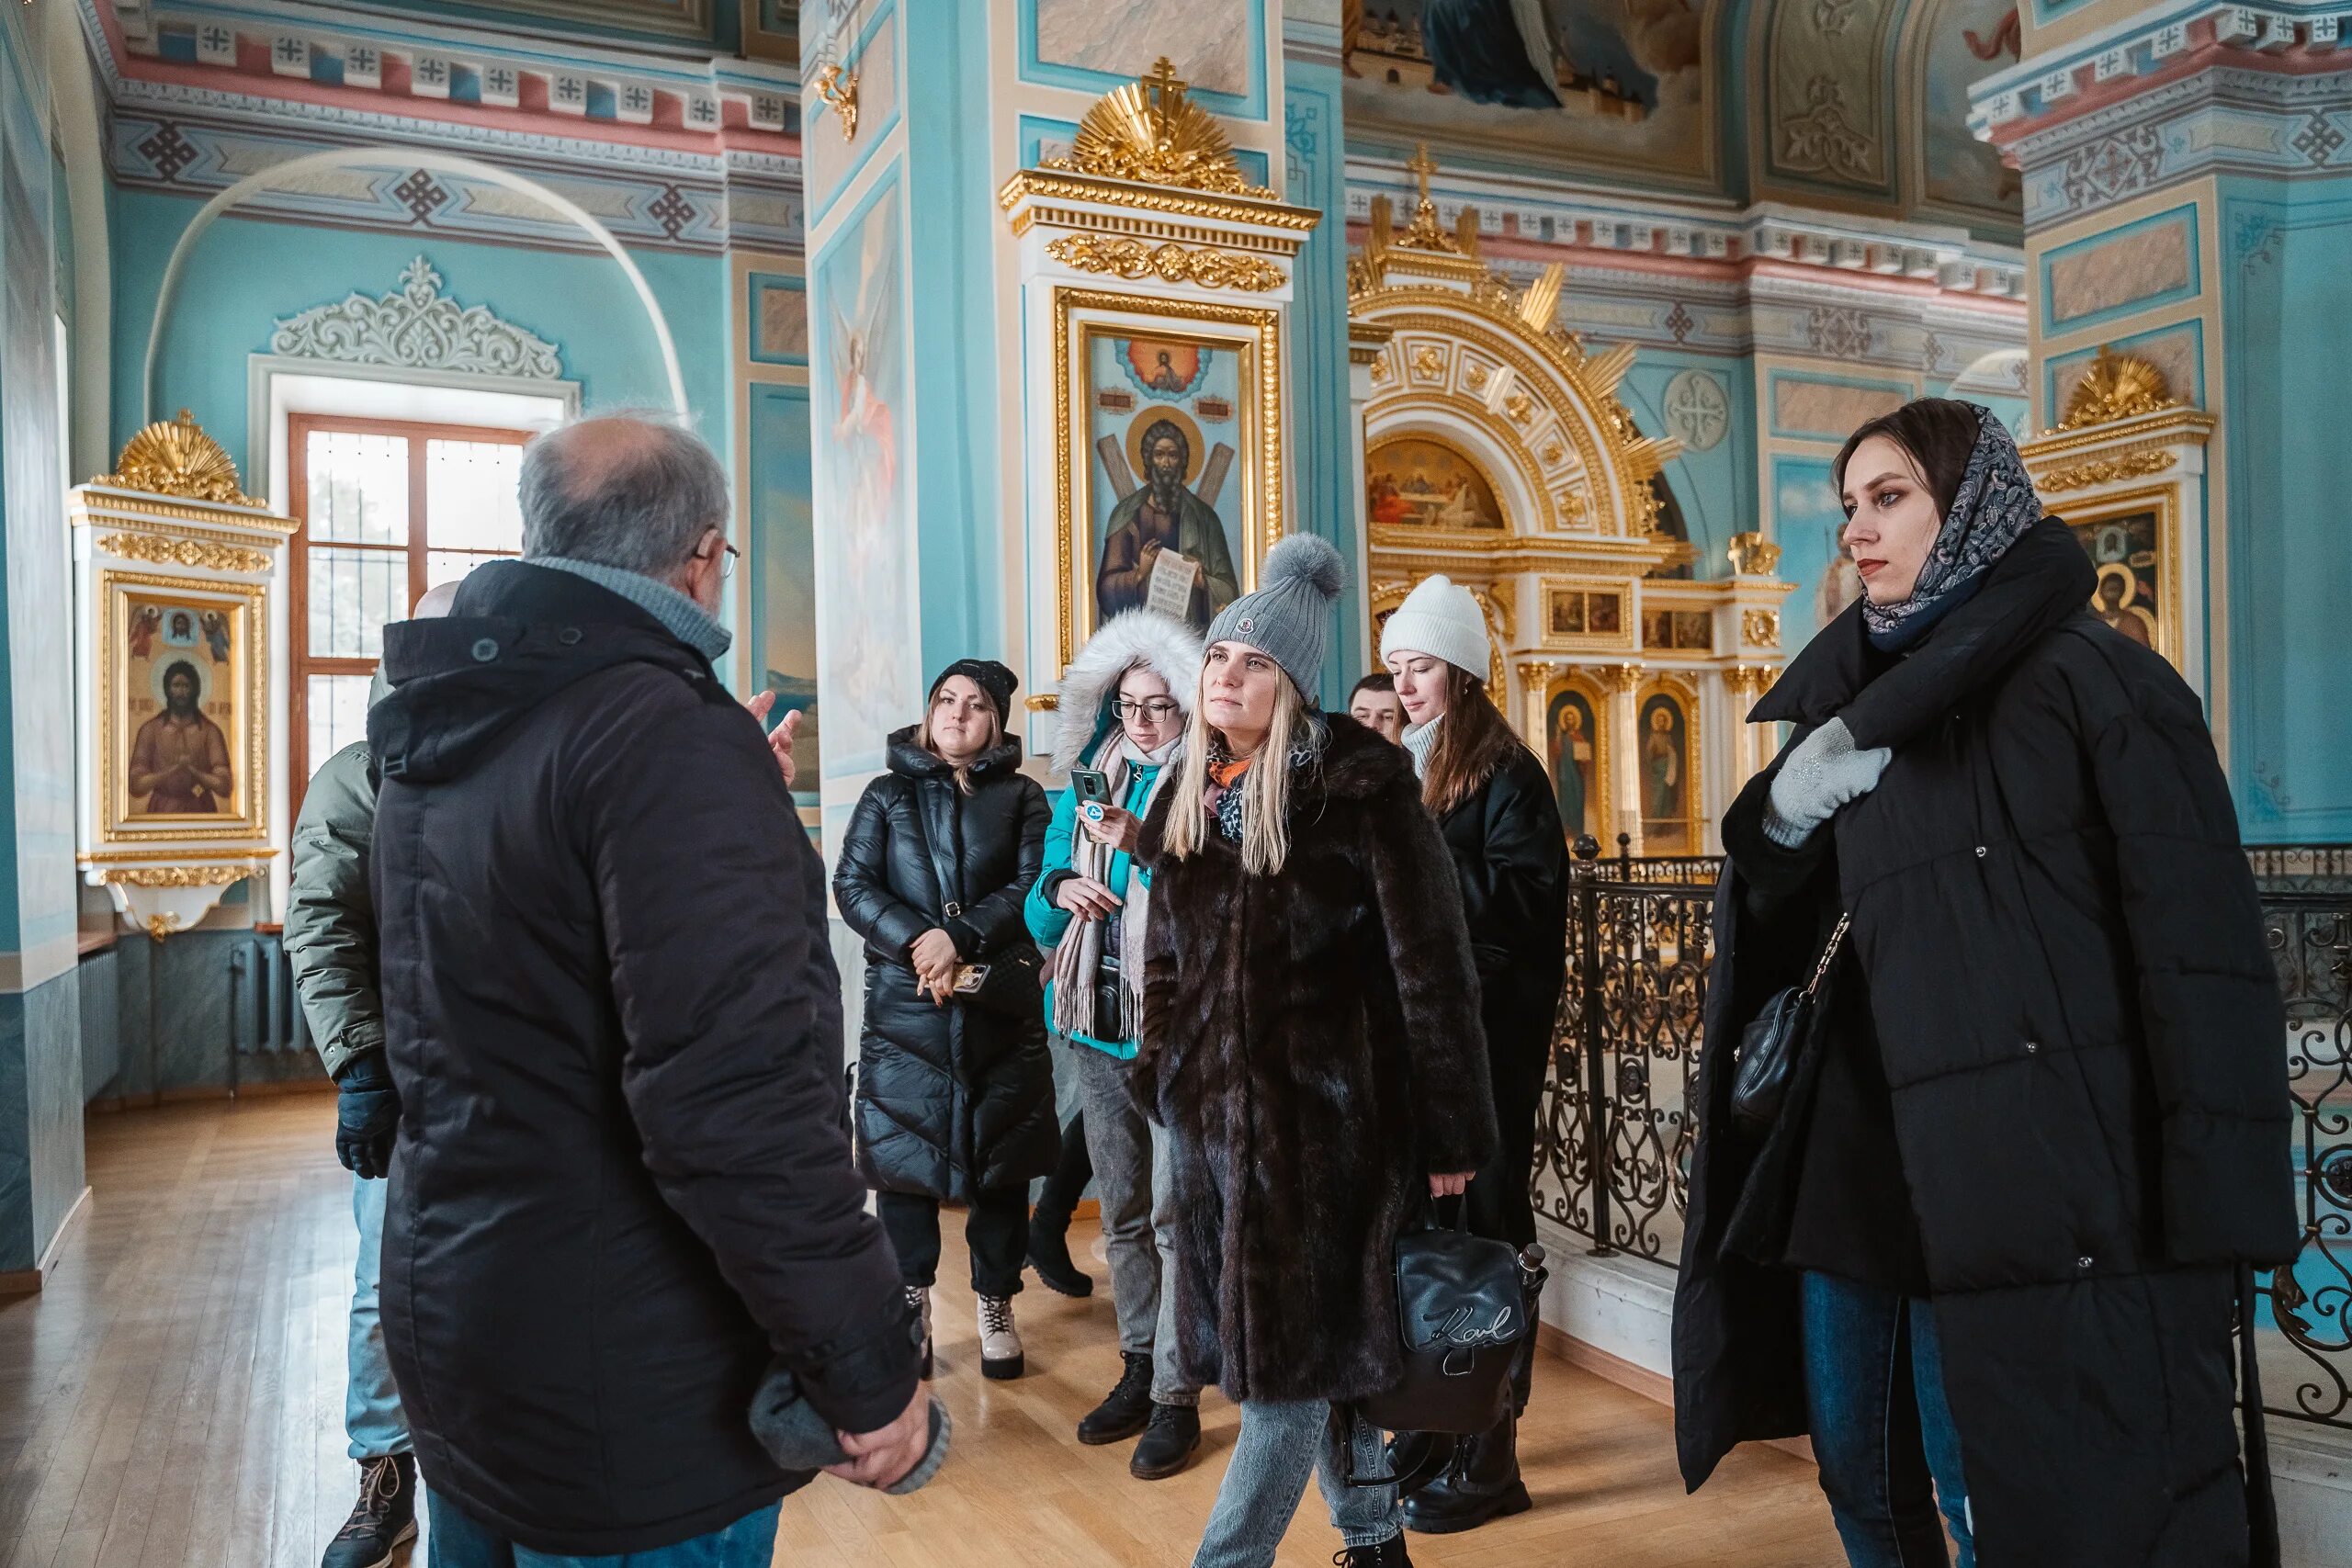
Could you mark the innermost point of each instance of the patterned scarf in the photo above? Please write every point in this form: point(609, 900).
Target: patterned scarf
point(1077, 961)
point(1991, 511)
point(1232, 776)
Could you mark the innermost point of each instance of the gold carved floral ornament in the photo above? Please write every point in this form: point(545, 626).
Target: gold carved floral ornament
point(1753, 555)
point(1429, 361)
point(2117, 387)
point(175, 458)
point(184, 552)
point(1170, 262)
point(1150, 132)
point(178, 875)
point(2131, 465)
point(1761, 629)
point(838, 89)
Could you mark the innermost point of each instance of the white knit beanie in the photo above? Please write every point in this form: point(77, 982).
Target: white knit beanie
point(1442, 620)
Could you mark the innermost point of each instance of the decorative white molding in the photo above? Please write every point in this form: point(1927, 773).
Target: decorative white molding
point(418, 328)
point(2144, 44)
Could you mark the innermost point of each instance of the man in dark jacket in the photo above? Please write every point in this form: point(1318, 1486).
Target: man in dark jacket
point(621, 1183)
point(331, 945)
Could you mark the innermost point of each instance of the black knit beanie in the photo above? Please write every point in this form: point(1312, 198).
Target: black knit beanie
point(989, 676)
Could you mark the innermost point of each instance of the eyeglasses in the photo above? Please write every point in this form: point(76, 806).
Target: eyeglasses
point(727, 560)
point(1151, 710)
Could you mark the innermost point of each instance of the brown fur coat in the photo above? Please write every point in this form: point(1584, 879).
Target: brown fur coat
point(1312, 1042)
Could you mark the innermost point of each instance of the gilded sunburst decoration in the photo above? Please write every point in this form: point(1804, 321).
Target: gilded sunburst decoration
point(2117, 386)
point(175, 458)
point(1150, 132)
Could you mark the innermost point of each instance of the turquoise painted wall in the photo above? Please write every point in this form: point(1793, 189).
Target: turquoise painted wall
point(951, 244)
point(783, 563)
point(2285, 289)
point(1716, 487)
point(1321, 419)
point(1806, 517)
point(41, 1066)
point(245, 274)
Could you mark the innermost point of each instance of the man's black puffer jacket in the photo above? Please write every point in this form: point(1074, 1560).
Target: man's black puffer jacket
point(620, 1183)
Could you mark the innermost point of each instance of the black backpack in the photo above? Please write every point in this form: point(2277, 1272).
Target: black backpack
point(1462, 1307)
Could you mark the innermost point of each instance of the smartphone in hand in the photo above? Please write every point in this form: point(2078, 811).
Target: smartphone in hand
point(1093, 784)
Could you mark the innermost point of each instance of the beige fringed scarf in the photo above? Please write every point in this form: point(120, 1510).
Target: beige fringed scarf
point(1079, 956)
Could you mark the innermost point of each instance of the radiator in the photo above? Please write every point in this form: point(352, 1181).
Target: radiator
point(265, 1014)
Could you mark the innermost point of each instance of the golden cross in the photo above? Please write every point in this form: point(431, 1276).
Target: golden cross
point(1163, 85)
point(1423, 166)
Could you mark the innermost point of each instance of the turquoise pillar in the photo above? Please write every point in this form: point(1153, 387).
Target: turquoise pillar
point(41, 1064)
point(2186, 206)
point(931, 543)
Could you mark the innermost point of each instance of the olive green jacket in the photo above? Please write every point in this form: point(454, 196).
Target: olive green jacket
point(330, 923)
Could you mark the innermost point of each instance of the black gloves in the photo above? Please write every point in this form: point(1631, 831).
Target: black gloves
point(367, 1114)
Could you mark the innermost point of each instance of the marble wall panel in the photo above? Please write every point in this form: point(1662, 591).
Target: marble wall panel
point(1210, 41)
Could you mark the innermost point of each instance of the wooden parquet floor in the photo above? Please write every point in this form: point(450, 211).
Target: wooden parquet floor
point(175, 1397)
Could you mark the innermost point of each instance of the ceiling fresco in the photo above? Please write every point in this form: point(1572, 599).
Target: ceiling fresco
point(1614, 84)
point(1852, 104)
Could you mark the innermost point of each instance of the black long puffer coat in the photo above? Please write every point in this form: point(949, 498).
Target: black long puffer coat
point(1512, 861)
point(2085, 1048)
point(951, 1100)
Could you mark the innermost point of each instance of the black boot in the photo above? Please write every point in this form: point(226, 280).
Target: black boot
point(1049, 1221)
point(1049, 1254)
point(384, 1516)
point(1168, 1442)
point(1481, 1483)
point(1389, 1554)
point(1125, 1410)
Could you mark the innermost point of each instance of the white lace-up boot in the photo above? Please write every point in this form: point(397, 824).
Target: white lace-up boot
point(1000, 1341)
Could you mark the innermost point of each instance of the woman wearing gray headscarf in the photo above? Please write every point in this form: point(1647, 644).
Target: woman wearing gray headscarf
point(1987, 1250)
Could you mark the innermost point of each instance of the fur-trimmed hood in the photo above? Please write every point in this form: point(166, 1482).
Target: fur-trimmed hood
point(1166, 647)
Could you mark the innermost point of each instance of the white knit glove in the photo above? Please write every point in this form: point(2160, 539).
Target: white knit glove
point(1823, 772)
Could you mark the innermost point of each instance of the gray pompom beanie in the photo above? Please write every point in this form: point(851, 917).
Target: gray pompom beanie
point(1289, 618)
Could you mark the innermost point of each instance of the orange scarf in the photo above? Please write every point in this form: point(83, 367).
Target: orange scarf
point(1225, 775)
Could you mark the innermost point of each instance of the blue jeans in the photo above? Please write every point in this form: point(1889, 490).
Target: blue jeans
point(1278, 1445)
point(456, 1542)
point(371, 1404)
point(1882, 1430)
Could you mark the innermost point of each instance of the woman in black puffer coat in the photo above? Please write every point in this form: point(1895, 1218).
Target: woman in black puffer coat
point(1500, 819)
point(955, 1092)
point(1987, 1252)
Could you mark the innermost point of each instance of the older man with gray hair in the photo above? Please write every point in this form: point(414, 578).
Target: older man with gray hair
point(621, 1182)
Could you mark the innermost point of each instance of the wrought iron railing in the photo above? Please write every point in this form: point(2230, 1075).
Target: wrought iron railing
point(1612, 1164)
point(2307, 1342)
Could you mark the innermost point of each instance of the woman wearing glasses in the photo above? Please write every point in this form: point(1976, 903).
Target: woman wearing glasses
point(1124, 704)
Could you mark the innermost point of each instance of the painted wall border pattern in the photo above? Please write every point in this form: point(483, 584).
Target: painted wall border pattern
point(704, 207)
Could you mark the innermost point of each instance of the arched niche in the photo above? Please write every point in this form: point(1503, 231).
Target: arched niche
point(1477, 367)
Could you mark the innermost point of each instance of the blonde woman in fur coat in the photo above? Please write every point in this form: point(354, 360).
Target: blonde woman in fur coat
point(1311, 1042)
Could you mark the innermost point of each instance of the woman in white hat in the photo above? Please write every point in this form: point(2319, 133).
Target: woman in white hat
point(1495, 807)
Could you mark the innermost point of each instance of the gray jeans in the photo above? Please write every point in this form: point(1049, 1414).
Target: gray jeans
point(1267, 1475)
point(1138, 1219)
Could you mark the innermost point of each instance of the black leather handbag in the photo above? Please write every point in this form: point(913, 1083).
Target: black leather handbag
point(1462, 1311)
point(1767, 1054)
